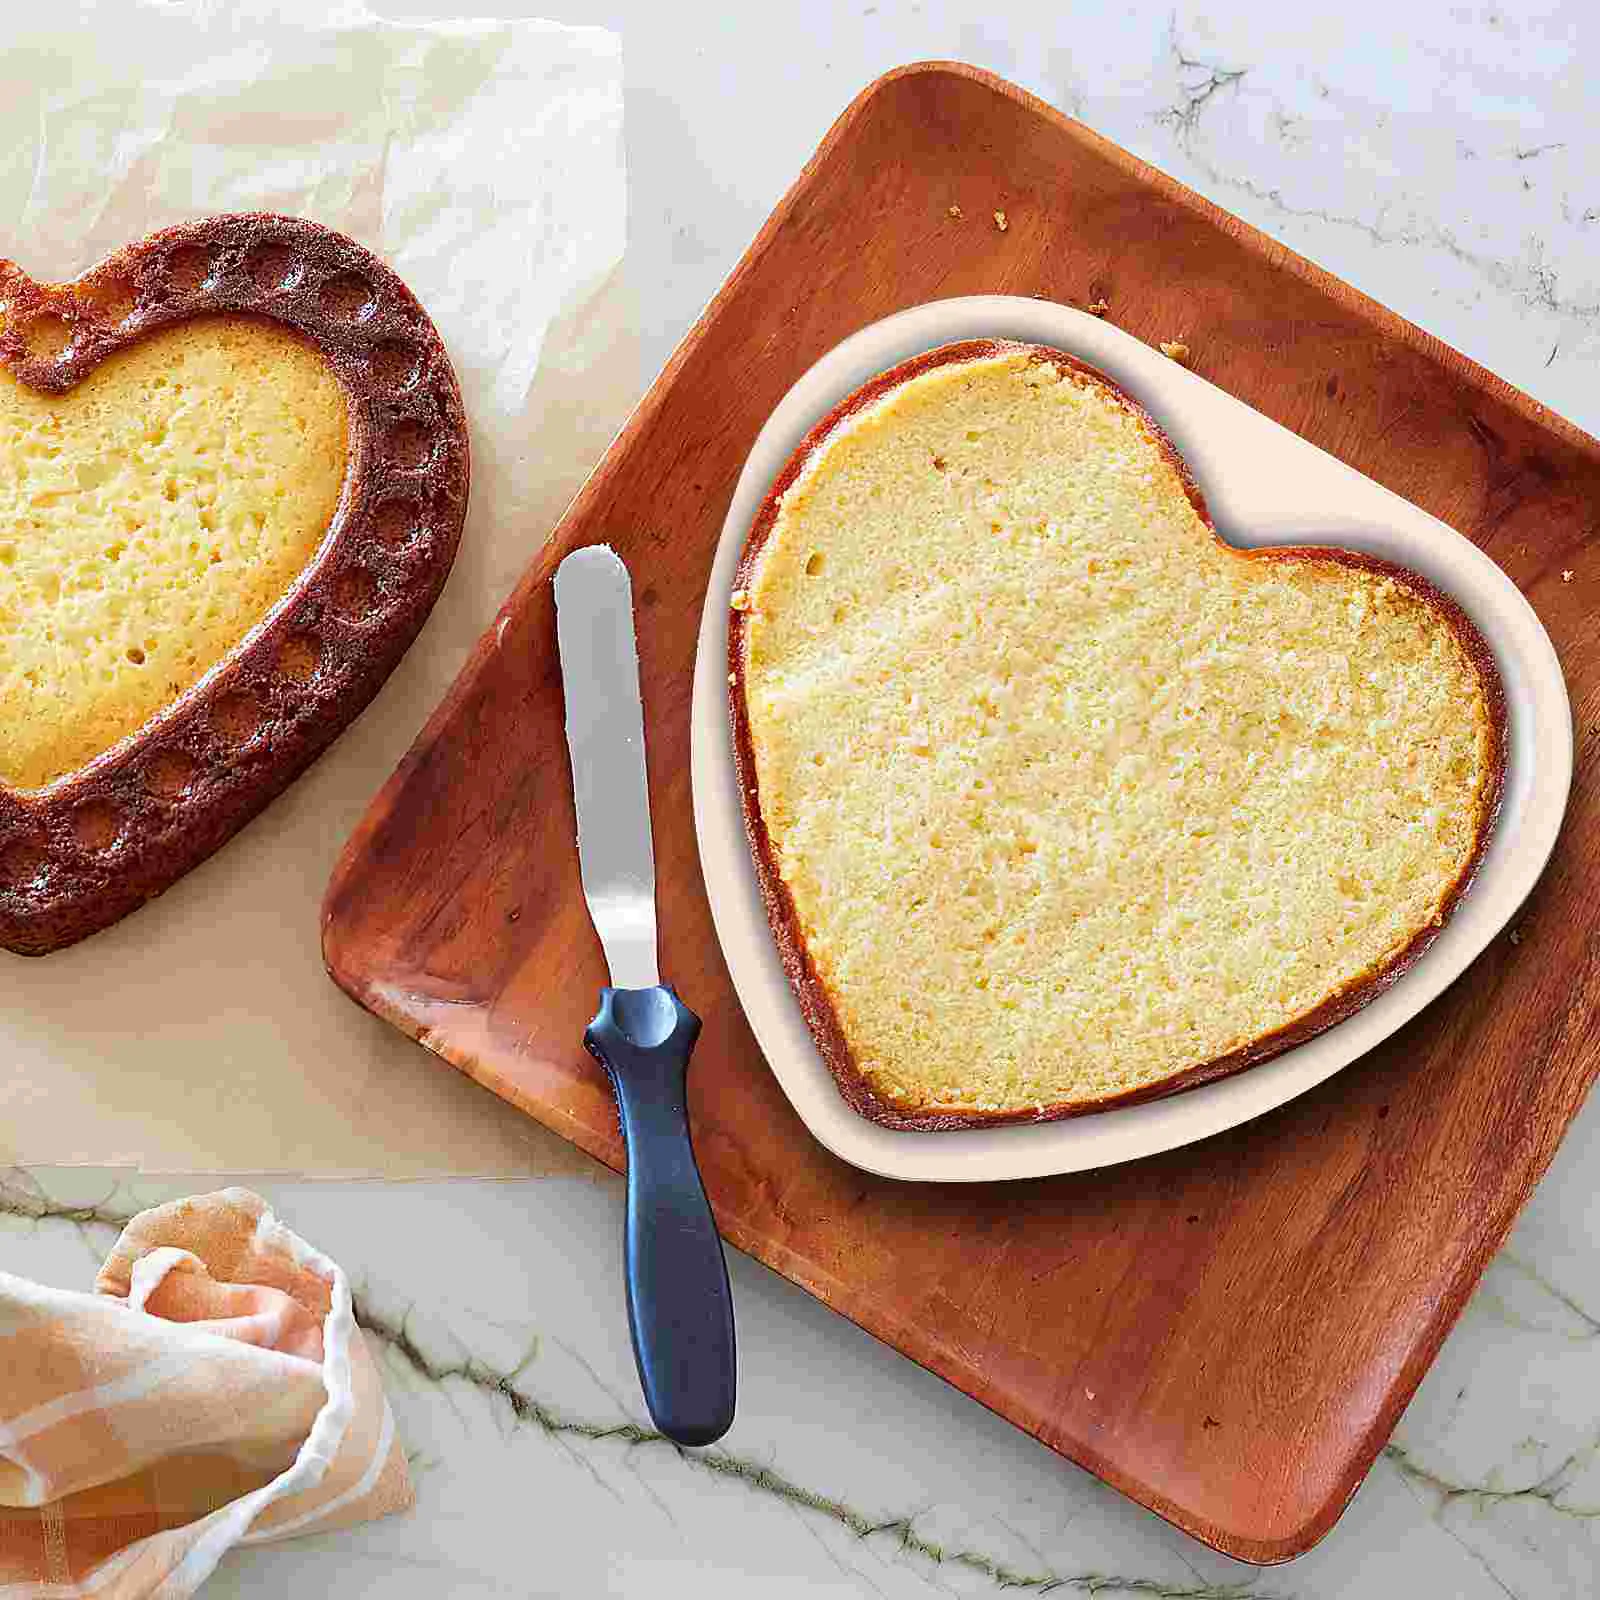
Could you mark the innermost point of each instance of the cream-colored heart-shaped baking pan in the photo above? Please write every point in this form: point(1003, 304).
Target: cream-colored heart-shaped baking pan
point(1265, 486)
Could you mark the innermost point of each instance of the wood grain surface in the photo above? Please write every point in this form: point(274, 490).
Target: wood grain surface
point(1228, 1332)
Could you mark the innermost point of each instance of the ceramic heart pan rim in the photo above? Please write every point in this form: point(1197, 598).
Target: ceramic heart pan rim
point(83, 851)
point(1257, 476)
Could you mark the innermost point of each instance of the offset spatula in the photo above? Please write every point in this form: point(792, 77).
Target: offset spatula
point(680, 1308)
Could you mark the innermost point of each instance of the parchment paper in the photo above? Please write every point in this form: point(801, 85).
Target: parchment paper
point(483, 160)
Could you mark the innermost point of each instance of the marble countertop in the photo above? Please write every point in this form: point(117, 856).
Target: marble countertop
point(1440, 158)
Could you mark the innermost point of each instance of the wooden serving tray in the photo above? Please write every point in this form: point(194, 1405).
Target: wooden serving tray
point(1228, 1332)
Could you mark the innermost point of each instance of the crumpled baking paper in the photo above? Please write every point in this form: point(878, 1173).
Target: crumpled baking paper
point(483, 160)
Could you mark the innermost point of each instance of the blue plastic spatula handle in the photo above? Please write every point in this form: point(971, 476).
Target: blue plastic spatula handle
point(680, 1308)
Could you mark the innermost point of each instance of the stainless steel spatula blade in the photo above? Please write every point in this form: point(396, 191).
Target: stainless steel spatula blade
point(605, 740)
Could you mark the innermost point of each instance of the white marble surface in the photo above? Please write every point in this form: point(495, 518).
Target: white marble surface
point(1442, 158)
point(496, 1310)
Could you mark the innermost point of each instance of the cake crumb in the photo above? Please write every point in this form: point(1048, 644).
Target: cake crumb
point(957, 212)
point(1098, 308)
point(1175, 350)
point(988, 660)
point(733, 677)
point(740, 600)
point(1000, 221)
point(1568, 575)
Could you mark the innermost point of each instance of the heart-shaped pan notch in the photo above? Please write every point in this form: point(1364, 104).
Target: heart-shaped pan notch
point(233, 474)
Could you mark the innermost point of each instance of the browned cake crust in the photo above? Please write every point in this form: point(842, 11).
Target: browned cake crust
point(816, 1003)
point(76, 856)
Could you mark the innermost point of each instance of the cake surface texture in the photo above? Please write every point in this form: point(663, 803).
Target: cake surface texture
point(149, 518)
point(233, 477)
point(1057, 800)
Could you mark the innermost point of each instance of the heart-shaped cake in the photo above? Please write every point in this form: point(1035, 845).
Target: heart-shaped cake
point(1057, 801)
point(233, 474)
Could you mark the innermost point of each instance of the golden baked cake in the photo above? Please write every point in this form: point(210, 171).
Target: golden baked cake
point(233, 475)
point(149, 518)
point(1057, 801)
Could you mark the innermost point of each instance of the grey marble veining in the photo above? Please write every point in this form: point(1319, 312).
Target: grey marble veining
point(495, 1309)
point(1441, 157)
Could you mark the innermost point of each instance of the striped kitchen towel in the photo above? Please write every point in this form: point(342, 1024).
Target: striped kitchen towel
point(213, 1391)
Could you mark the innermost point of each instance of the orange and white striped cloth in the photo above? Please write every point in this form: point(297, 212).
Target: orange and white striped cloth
point(213, 1391)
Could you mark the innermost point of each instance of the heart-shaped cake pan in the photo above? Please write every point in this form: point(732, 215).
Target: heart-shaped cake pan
point(1265, 486)
point(110, 792)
